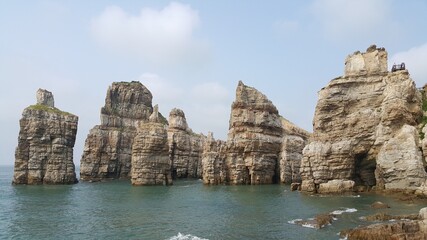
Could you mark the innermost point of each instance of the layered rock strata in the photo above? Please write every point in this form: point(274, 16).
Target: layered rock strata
point(365, 130)
point(108, 147)
point(151, 164)
point(185, 147)
point(262, 147)
point(45, 144)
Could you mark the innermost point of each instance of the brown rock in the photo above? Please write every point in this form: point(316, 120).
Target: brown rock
point(379, 205)
point(108, 147)
point(151, 164)
point(185, 147)
point(359, 121)
point(45, 145)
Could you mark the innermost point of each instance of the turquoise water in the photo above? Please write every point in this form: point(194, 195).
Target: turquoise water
point(186, 210)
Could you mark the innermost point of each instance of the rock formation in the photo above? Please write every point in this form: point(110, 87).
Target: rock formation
point(185, 147)
point(213, 161)
point(45, 145)
point(262, 147)
point(108, 147)
point(395, 228)
point(151, 164)
point(365, 130)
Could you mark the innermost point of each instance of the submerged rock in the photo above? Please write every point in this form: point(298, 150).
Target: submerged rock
point(45, 145)
point(365, 130)
point(398, 229)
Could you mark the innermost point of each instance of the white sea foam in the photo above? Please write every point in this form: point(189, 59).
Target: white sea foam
point(181, 236)
point(295, 221)
point(346, 210)
point(307, 225)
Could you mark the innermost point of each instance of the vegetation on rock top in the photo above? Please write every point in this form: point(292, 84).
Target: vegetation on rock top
point(48, 109)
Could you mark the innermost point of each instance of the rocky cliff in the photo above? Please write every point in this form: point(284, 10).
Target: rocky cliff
point(365, 130)
point(108, 147)
point(261, 148)
point(45, 144)
point(151, 164)
point(185, 147)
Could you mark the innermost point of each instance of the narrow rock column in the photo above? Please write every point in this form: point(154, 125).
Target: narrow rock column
point(150, 154)
point(45, 145)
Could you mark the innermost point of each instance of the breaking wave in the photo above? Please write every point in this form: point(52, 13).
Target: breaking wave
point(346, 210)
point(181, 236)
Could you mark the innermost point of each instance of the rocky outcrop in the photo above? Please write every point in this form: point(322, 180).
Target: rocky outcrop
point(398, 227)
point(365, 130)
point(185, 147)
point(108, 147)
point(151, 164)
point(262, 147)
point(45, 144)
point(213, 161)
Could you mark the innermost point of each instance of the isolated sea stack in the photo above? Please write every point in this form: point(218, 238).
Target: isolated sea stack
point(259, 148)
point(365, 130)
point(108, 147)
point(45, 145)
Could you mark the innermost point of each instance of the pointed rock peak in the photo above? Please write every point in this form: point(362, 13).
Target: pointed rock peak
point(177, 119)
point(154, 117)
point(210, 136)
point(250, 95)
point(240, 83)
point(45, 97)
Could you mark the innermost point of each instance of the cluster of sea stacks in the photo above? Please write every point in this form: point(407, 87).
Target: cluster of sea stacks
point(367, 135)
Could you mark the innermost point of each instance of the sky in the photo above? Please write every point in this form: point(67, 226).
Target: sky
point(191, 54)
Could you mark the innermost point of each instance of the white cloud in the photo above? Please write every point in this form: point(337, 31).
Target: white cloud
point(415, 60)
point(352, 18)
point(159, 36)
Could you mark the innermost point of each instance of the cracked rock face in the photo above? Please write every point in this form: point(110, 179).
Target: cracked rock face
point(151, 164)
point(262, 147)
point(185, 147)
point(45, 144)
point(361, 119)
point(108, 147)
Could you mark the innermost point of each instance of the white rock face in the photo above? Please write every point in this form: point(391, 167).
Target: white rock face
point(365, 116)
point(45, 97)
point(399, 162)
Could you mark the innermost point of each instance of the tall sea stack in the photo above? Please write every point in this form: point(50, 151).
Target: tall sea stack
point(45, 145)
point(108, 147)
point(365, 130)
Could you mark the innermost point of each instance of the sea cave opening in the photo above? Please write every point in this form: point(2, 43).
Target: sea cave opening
point(364, 170)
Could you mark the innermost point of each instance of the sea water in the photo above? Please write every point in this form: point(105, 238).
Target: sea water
point(186, 210)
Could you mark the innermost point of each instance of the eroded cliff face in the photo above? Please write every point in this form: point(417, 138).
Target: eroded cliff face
point(151, 164)
point(108, 147)
point(262, 147)
point(365, 130)
point(185, 147)
point(45, 144)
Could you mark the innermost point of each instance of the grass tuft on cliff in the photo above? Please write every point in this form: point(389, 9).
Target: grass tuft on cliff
point(48, 109)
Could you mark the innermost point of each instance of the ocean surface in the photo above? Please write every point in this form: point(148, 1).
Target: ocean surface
point(186, 210)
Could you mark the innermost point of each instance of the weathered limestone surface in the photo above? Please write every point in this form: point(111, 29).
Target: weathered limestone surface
point(213, 161)
point(293, 142)
point(108, 147)
point(45, 145)
point(185, 147)
point(262, 147)
point(364, 129)
point(151, 164)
